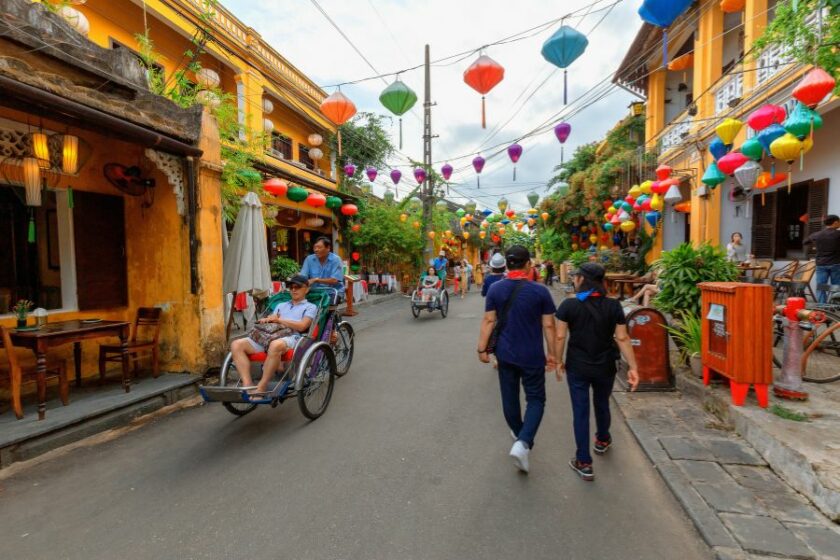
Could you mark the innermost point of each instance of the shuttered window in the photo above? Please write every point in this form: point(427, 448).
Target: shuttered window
point(817, 208)
point(99, 230)
point(764, 226)
point(785, 220)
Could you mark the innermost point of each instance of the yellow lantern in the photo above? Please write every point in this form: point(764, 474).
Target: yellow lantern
point(612, 210)
point(32, 181)
point(519, 226)
point(574, 246)
point(403, 217)
point(466, 235)
point(645, 188)
point(431, 235)
point(447, 233)
point(635, 191)
point(463, 221)
point(593, 239)
point(656, 203)
point(484, 224)
point(786, 148)
point(416, 225)
point(544, 216)
point(628, 226)
point(41, 149)
point(501, 231)
point(70, 155)
point(532, 211)
point(482, 234)
point(728, 130)
point(531, 222)
point(603, 248)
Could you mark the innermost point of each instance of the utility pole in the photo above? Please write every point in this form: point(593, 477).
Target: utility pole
point(428, 189)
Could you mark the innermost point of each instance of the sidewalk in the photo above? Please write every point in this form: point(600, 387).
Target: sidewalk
point(740, 506)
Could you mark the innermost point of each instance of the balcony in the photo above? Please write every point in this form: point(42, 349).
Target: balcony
point(730, 89)
point(674, 134)
point(776, 59)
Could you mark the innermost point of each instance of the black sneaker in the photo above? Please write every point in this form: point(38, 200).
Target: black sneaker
point(584, 470)
point(601, 447)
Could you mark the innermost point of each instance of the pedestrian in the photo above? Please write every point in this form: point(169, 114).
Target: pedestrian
point(735, 250)
point(478, 274)
point(520, 312)
point(533, 271)
point(456, 273)
point(596, 329)
point(827, 243)
point(464, 271)
point(549, 273)
point(497, 272)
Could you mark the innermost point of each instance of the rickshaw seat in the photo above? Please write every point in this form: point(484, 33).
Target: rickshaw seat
point(262, 356)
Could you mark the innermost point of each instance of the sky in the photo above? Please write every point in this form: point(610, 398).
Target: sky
point(392, 34)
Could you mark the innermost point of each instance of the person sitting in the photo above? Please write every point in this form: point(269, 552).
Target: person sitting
point(649, 290)
point(429, 284)
point(297, 315)
point(323, 268)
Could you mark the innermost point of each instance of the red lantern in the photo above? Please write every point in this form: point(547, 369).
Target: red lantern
point(483, 75)
point(356, 227)
point(731, 161)
point(766, 115)
point(349, 210)
point(355, 255)
point(645, 206)
point(607, 204)
point(510, 213)
point(316, 200)
point(496, 239)
point(275, 186)
point(663, 172)
point(814, 87)
point(659, 187)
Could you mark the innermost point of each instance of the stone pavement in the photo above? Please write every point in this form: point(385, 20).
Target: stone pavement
point(743, 510)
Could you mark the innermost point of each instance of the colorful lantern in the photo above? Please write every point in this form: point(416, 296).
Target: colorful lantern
point(315, 139)
point(753, 149)
point(355, 255)
point(814, 87)
point(663, 172)
point(653, 218)
point(718, 149)
point(607, 226)
point(645, 187)
point(788, 148)
point(275, 186)
point(747, 175)
point(478, 164)
point(662, 13)
point(396, 175)
point(431, 235)
point(349, 209)
point(732, 6)
point(297, 194)
point(420, 174)
point(482, 234)
point(769, 135)
point(514, 153)
point(544, 216)
point(399, 99)
point(460, 212)
point(628, 226)
point(683, 62)
point(533, 199)
point(562, 132)
point(684, 207)
point(713, 176)
point(728, 130)
point(403, 217)
point(764, 116)
point(339, 109)
point(371, 173)
point(767, 180)
point(673, 196)
point(446, 171)
point(316, 200)
point(802, 121)
point(334, 202)
point(349, 170)
point(635, 191)
point(656, 203)
point(483, 75)
point(388, 196)
point(502, 204)
point(731, 161)
point(470, 207)
point(502, 231)
point(416, 225)
point(562, 49)
point(659, 187)
point(510, 213)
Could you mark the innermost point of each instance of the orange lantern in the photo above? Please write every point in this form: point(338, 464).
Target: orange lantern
point(683, 62)
point(684, 207)
point(766, 180)
point(544, 216)
point(482, 234)
point(431, 235)
point(732, 6)
point(416, 225)
point(356, 228)
point(339, 109)
point(483, 75)
point(501, 231)
point(466, 235)
point(349, 209)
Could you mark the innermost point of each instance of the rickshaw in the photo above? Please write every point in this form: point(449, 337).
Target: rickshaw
point(319, 356)
point(429, 299)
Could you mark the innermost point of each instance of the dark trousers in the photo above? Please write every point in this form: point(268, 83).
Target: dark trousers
point(533, 382)
point(579, 391)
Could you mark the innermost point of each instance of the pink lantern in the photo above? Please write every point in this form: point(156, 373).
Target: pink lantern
point(562, 132)
point(446, 171)
point(396, 175)
point(514, 153)
point(478, 164)
point(349, 169)
point(731, 161)
point(371, 173)
point(420, 174)
point(764, 116)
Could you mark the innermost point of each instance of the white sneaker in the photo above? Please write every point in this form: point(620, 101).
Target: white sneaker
point(513, 436)
point(519, 452)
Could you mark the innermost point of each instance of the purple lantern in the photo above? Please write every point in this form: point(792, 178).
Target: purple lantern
point(371, 173)
point(420, 174)
point(349, 169)
point(562, 131)
point(396, 175)
point(514, 152)
point(446, 171)
point(478, 164)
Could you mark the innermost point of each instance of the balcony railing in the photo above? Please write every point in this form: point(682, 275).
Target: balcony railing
point(731, 88)
point(674, 134)
point(776, 58)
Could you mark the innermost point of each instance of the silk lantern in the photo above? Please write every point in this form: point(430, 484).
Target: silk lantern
point(656, 203)
point(788, 148)
point(514, 153)
point(731, 161)
point(371, 173)
point(446, 171)
point(767, 137)
point(478, 164)
point(356, 228)
point(767, 180)
point(483, 75)
point(663, 172)
point(673, 196)
point(502, 204)
point(562, 49)
point(753, 149)
point(315, 139)
point(747, 175)
point(334, 202)
point(403, 217)
point(420, 175)
point(533, 199)
point(339, 109)
point(275, 186)
point(399, 99)
point(349, 170)
point(728, 130)
point(607, 227)
point(802, 121)
point(682, 62)
point(316, 200)
point(635, 191)
point(765, 116)
point(684, 207)
point(653, 218)
point(732, 6)
point(460, 212)
point(482, 234)
point(628, 226)
point(645, 187)
point(718, 149)
point(662, 13)
point(349, 210)
point(297, 194)
point(544, 216)
point(814, 87)
point(562, 132)
point(713, 176)
point(396, 175)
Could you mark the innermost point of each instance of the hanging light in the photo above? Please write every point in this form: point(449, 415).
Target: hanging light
point(41, 148)
point(32, 181)
point(70, 155)
point(268, 106)
point(268, 125)
point(315, 139)
point(315, 154)
point(502, 204)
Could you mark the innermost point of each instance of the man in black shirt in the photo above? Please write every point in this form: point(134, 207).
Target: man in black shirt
point(827, 243)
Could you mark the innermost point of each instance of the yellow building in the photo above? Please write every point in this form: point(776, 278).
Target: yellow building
point(720, 76)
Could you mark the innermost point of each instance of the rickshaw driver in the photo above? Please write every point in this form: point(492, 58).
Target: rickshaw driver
point(296, 314)
point(323, 268)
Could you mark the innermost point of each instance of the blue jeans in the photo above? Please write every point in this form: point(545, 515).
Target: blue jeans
point(827, 275)
point(579, 391)
point(533, 381)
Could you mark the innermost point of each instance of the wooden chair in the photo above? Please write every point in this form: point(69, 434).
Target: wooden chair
point(800, 283)
point(764, 272)
point(17, 374)
point(148, 319)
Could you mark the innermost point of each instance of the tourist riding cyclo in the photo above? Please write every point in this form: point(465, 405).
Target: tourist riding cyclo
point(430, 294)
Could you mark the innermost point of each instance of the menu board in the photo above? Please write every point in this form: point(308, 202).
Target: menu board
point(718, 337)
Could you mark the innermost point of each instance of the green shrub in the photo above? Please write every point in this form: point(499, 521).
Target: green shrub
point(283, 267)
point(686, 333)
point(681, 269)
point(577, 258)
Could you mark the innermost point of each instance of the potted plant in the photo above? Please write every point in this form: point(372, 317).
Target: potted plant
point(283, 267)
point(687, 336)
point(682, 268)
point(21, 311)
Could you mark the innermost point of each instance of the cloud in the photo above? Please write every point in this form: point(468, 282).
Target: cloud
point(392, 35)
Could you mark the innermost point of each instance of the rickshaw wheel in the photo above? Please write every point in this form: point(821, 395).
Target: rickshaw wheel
point(415, 311)
point(344, 348)
point(444, 304)
point(317, 378)
point(229, 377)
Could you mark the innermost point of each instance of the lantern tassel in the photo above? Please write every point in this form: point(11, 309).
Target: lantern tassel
point(70, 198)
point(483, 114)
point(762, 199)
point(514, 172)
point(773, 168)
point(565, 87)
point(31, 232)
point(339, 141)
point(801, 160)
point(400, 133)
point(790, 172)
point(478, 181)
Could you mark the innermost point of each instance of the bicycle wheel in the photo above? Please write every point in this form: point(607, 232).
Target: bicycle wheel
point(229, 377)
point(823, 346)
point(316, 377)
point(415, 311)
point(444, 304)
point(344, 346)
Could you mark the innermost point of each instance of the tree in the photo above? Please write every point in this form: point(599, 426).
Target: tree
point(384, 239)
point(364, 143)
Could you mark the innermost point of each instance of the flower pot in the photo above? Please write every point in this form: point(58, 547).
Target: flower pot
point(21, 323)
point(696, 364)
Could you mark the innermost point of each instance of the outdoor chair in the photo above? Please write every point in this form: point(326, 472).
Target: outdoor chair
point(761, 276)
point(17, 374)
point(800, 283)
point(148, 320)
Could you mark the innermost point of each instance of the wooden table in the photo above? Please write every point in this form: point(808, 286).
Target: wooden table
point(614, 281)
point(632, 282)
point(64, 332)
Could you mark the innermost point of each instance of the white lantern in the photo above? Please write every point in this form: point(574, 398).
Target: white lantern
point(315, 154)
point(268, 125)
point(673, 195)
point(268, 106)
point(32, 181)
point(208, 98)
point(76, 19)
point(314, 222)
point(315, 139)
point(70, 154)
point(207, 78)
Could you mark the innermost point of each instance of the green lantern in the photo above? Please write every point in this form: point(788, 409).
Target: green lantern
point(415, 203)
point(334, 202)
point(297, 194)
point(355, 267)
point(365, 188)
point(753, 149)
point(802, 121)
point(460, 212)
point(470, 207)
point(713, 176)
point(533, 198)
point(399, 99)
point(389, 196)
point(563, 189)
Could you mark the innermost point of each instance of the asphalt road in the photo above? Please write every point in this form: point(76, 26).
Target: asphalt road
point(409, 462)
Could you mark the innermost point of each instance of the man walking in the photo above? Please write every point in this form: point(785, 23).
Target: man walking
point(827, 243)
point(522, 314)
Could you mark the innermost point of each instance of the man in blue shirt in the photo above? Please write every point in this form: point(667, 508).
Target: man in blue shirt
point(440, 266)
point(324, 268)
point(519, 348)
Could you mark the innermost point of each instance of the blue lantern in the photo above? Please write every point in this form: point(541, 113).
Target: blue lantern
point(718, 149)
point(653, 218)
point(769, 134)
point(662, 13)
point(505, 222)
point(607, 227)
point(562, 49)
point(617, 239)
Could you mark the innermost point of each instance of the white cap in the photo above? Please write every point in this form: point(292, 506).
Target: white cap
point(497, 261)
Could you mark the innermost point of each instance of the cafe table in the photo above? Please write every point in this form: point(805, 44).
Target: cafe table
point(41, 339)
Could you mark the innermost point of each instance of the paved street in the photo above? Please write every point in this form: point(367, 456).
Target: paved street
point(409, 462)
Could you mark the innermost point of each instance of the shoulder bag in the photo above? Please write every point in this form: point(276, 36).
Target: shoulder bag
point(501, 319)
point(266, 333)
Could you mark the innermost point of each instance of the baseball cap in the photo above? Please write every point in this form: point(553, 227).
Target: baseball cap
point(591, 271)
point(299, 279)
point(516, 256)
point(497, 261)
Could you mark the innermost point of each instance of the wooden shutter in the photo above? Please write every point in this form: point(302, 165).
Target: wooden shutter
point(817, 206)
point(99, 239)
point(764, 226)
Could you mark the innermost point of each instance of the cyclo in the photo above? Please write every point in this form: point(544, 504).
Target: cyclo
point(319, 356)
point(430, 295)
